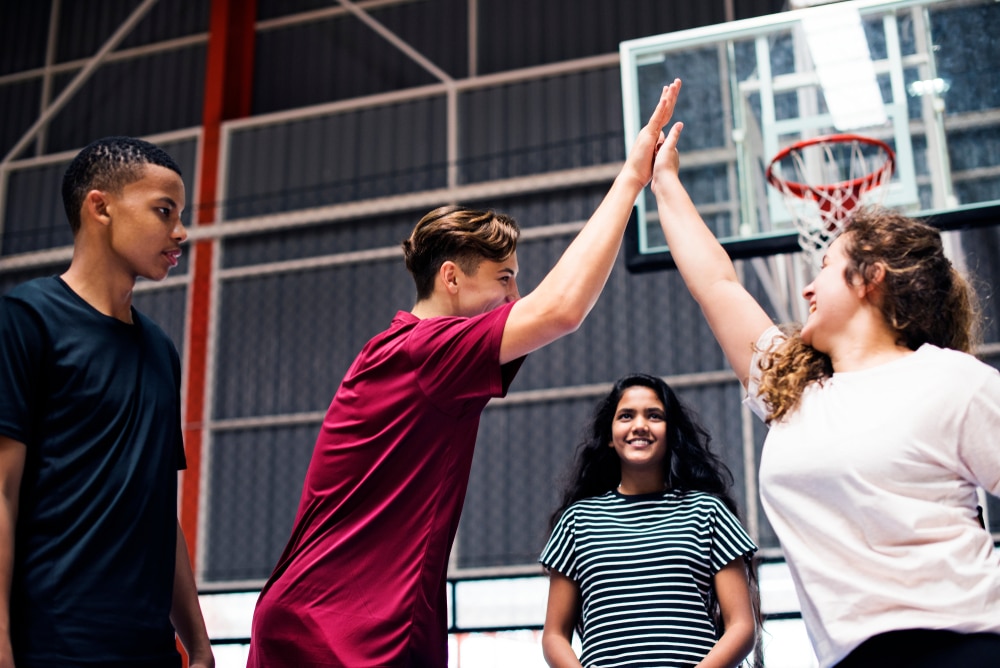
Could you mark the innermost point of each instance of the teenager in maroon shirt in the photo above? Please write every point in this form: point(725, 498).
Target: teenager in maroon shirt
point(362, 580)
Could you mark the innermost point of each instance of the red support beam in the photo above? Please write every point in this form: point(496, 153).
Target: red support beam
point(228, 91)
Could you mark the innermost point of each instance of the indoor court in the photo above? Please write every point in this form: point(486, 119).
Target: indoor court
point(313, 134)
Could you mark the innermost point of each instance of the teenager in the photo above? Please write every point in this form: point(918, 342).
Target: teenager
point(94, 568)
point(362, 581)
point(647, 559)
point(882, 425)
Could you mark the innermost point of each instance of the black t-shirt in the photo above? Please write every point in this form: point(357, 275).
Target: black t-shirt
point(97, 404)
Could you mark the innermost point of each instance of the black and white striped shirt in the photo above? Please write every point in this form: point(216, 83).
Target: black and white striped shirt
point(644, 566)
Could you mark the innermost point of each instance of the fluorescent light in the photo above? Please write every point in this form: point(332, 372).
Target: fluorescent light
point(928, 87)
point(840, 54)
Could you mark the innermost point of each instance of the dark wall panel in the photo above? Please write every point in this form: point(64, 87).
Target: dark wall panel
point(342, 57)
point(346, 236)
point(84, 27)
point(34, 216)
point(158, 93)
point(19, 105)
point(338, 158)
point(285, 340)
point(24, 29)
point(565, 122)
point(255, 481)
point(522, 33)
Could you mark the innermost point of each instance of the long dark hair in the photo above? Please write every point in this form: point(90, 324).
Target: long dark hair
point(690, 466)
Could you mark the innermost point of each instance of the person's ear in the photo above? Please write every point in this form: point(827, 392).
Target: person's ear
point(875, 278)
point(96, 207)
point(449, 275)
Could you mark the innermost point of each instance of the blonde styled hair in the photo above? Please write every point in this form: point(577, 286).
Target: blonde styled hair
point(915, 276)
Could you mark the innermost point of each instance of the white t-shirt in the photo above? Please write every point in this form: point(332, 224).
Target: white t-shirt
point(870, 485)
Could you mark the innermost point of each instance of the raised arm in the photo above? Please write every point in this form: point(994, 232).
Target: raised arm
point(12, 456)
point(736, 319)
point(566, 295)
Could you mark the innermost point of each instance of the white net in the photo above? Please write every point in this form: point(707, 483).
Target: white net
point(823, 180)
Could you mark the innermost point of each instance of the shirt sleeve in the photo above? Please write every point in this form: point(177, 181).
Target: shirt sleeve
point(560, 552)
point(458, 359)
point(978, 453)
point(21, 354)
point(730, 540)
point(767, 341)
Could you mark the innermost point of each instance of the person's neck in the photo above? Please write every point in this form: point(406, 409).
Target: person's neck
point(102, 291)
point(433, 307)
point(632, 484)
point(859, 353)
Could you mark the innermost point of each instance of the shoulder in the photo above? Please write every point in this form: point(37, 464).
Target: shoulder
point(699, 499)
point(592, 505)
point(33, 292)
point(153, 333)
point(149, 326)
point(486, 322)
point(450, 338)
point(590, 502)
point(953, 366)
point(40, 302)
point(704, 503)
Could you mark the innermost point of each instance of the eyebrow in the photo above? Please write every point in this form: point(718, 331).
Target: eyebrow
point(169, 200)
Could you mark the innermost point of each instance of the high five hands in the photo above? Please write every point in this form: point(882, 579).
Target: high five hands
point(648, 143)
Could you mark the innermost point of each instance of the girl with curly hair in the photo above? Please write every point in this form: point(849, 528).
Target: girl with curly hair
point(647, 560)
point(882, 425)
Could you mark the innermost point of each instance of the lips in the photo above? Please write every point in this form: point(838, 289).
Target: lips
point(173, 256)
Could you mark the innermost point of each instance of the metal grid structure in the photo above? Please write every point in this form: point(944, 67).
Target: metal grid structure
point(295, 258)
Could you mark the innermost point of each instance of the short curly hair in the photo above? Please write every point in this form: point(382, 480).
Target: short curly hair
point(108, 164)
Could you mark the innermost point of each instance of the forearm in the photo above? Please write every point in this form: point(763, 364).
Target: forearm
point(734, 646)
point(185, 611)
point(574, 284)
point(558, 652)
point(12, 457)
point(700, 258)
point(7, 522)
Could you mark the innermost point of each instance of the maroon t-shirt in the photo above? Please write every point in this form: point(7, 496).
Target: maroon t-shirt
point(362, 581)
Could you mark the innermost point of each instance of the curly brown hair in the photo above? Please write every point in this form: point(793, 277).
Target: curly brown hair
point(922, 297)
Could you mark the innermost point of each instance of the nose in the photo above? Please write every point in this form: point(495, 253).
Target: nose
point(808, 291)
point(640, 424)
point(180, 232)
point(513, 294)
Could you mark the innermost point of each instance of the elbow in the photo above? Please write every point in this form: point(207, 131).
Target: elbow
point(567, 318)
point(745, 637)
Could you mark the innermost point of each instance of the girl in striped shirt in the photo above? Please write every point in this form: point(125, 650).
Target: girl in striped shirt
point(647, 560)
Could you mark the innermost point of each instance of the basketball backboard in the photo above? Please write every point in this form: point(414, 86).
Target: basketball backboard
point(922, 76)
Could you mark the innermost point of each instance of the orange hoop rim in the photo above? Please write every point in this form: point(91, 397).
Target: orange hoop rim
point(855, 186)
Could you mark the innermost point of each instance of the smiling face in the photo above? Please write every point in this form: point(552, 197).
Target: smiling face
point(832, 300)
point(490, 285)
point(144, 225)
point(639, 430)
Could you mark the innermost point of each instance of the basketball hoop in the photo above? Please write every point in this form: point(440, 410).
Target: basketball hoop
point(824, 179)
